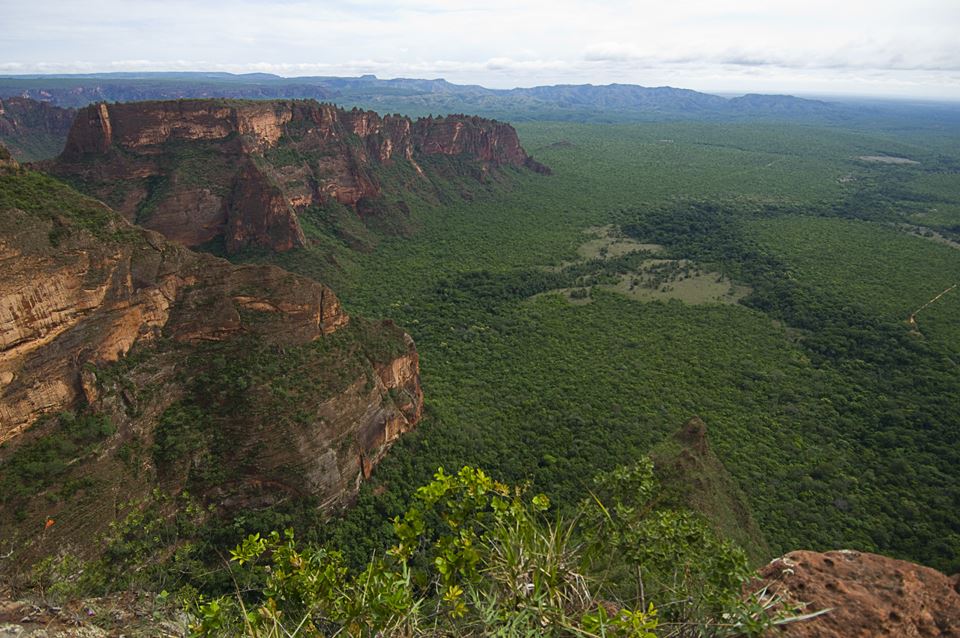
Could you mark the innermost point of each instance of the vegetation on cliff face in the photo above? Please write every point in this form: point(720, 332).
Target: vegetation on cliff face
point(238, 175)
point(132, 368)
point(33, 130)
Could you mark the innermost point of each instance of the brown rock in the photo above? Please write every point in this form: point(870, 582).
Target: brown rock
point(693, 435)
point(6, 161)
point(73, 299)
point(487, 140)
point(868, 595)
point(195, 170)
point(90, 301)
point(259, 215)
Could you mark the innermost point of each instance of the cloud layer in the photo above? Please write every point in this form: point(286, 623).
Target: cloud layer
point(868, 47)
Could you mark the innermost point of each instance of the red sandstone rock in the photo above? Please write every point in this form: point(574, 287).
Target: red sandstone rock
point(869, 596)
point(90, 301)
point(74, 303)
point(265, 162)
point(260, 215)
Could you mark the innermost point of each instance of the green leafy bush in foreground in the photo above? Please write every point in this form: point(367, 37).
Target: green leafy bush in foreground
point(476, 557)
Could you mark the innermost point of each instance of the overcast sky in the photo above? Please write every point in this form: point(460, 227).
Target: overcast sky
point(908, 48)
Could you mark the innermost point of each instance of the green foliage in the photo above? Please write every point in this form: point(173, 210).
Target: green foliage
point(834, 418)
point(50, 199)
point(476, 557)
point(61, 577)
point(154, 547)
point(825, 409)
point(38, 463)
point(309, 590)
point(180, 434)
point(157, 545)
point(886, 273)
point(850, 285)
point(673, 554)
point(243, 391)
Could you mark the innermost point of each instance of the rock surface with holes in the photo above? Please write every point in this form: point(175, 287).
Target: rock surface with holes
point(868, 596)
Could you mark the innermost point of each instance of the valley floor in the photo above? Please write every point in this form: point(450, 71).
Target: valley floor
point(785, 331)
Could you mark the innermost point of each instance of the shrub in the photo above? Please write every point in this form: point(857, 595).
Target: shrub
point(476, 557)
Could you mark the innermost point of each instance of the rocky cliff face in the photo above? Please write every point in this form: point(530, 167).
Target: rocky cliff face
point(6, 161)
point(489, 141)
point(84, 301)
point(82, 289)
point(197, 170)
point(868, 595)
point(33, 130)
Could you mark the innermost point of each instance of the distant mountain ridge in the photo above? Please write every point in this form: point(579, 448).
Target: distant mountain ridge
point(416, 96)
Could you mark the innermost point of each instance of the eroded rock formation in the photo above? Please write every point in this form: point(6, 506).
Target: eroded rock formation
point(197, 170)
point(6, 161)
point(82, 289)
point(89, 301)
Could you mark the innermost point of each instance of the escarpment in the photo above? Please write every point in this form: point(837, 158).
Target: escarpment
point(90, 300)
point(201, 170)
point(103, 318)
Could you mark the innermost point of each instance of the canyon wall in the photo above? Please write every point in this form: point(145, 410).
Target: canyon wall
point(101, 317)
point(200, 170)
point(33, 130)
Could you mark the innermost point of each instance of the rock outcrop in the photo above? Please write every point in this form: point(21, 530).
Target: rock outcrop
point(86, 301)
point(6, 161)
point(198, 170)
point(867, 595)
point(82, 289)
point(489, 141)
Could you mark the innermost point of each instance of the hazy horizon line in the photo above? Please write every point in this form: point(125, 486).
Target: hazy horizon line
point(726, 93)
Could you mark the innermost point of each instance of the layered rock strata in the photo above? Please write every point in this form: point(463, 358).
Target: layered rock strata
point(198, 170)
point(74, 301)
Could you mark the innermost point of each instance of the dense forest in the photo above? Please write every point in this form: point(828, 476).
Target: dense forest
point(776, 280)
point(835, 414)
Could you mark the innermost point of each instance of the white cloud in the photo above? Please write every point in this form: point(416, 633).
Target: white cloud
point(785, 45)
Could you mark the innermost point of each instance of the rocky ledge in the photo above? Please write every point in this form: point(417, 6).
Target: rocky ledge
point(867, 595)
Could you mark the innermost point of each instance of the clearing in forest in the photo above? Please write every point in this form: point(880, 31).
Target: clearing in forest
point(608, 242)
point(654, 279)
point(886, 159)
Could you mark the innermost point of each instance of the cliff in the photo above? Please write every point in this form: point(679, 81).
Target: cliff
point(867, 595)
point(105, 320)
point(33, 130)
point(201, 170)
point(6, 161)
